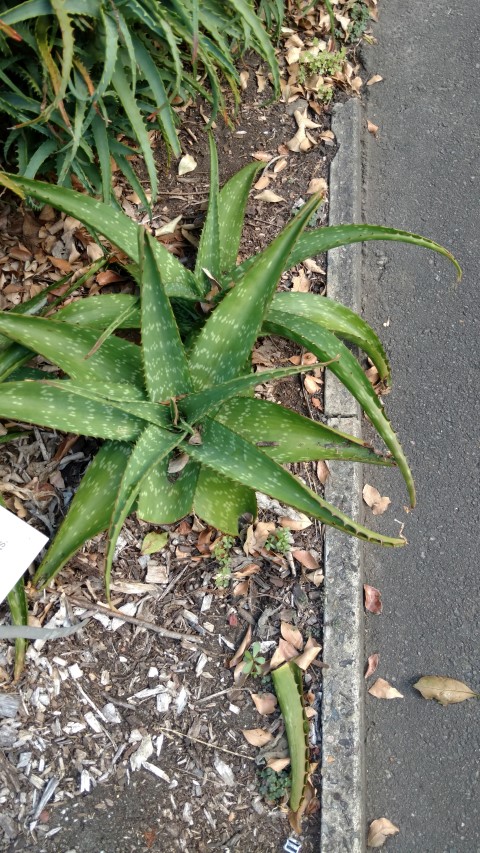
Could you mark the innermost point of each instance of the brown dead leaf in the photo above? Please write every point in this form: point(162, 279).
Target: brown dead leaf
point(317, 185)
point(372, 128)
point(265, 703)
point(244, 78)
point(247, 571)
point(447, 691)
point(379, 830)
point(284, 652)
point(241, 588)
point(372, 664)
point(323, 471)
point(376, 78)
point(238, 656)
point(186, 164)
point(383, 690)
point(269, 196)
point(280, 165)
point(300, 283)
point(373, 599)
point(374, 500)
point(261, 82)
point(262, 183)
point(278, 764)
point(291, 635)
point(312, 266)
point(300, 523)
point(311, 651)
point(316, 577)
point(306, 559)
point(263, 156)
point(257, 737)
point(312, 384)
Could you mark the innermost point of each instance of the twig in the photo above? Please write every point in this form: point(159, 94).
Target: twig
point(132, 620)
point(204, 742)
point(222, 693)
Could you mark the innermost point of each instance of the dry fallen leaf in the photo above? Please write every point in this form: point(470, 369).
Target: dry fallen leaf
point(377, 78)
point(284, 651)
point(265, 703)
point(317, 185)
point(257, 737)
point(291, 635)
point(379, 830)
point(311, 651)
point(323, 471)
point(299, 523)
point(373, 599)
point(447, 691)
point(374, 500)
point(278, 764)
point(244, 77)
point(300, 283)
point(312, 384)
point(238, 656)
point(262, 183)
point(187, 164)
point(280, 165)
point(168, 228)
point(306, 559)
point(269, 196)
point(383, 690)
point(372, 128)
point(372, 664)
point(316, 577)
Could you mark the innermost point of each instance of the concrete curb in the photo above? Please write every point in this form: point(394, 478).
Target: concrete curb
point(343, 787)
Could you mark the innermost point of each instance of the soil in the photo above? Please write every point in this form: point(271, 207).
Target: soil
point(137, 737)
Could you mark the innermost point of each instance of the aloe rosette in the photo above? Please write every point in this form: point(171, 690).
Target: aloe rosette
point(185, 393)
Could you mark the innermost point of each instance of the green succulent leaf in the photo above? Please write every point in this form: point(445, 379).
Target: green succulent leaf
point(286, 436)
point(208, 255)
point(220, 501)
point(288, 684)
point(165, 498)
point(238, 459)
point(99, 312)
point(227, 338)
point(325, 345)
point(232, 202)
point(90, 510)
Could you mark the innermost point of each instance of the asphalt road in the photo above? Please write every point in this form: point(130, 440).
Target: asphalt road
point(422, 174)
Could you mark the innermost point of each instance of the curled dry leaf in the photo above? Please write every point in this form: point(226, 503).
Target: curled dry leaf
point(373, 599)
point(187, 164)
point(311, 651)
point(316, 577)
point(300, 142)
point(261, 82)
point(312, 384)
point(372, 128)
point(300, 283)
point(323, 471)
point(278, 764)
point(317, 185)
point(379, 830)
point(306, 559)
point(263, 156)
point(383, 690)
point(280, 165)
point(168, 228)
point(372, 664)
point(241, 588)
point(265, 703)
point(247, 571)
point(262, 183)
point(447, 691)
point(154, 542)
point(291, 635)
point(301, 522)
point(374, 500)
point(284, 651)
point(257, 737)
point(238, 656)
point(269, 196)
point(377, 78)
point(244, 78)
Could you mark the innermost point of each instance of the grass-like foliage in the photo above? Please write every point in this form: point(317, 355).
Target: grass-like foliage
point(82, 81)
point(182, 430)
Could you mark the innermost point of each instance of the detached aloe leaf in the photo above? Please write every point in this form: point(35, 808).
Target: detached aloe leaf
point(287, 681)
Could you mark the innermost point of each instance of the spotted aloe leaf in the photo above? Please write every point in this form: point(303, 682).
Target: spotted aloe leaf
point(208, 255)
point(288, 685)
point(90, 510)
point(325, 345)
point(232, 202)
point(221, 501)
point(232, 456)
point(286, 436)
point(225, 343)
point(109, 221)
point(164, 500)
point(338, 319)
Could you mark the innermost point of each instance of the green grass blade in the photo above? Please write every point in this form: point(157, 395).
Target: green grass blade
point(164, 359)
point(208, 255)
point(324, 344)
point(165, 500)
point(289, 691)
point(113, 224)
point(153, 445)
point(323, 239)
point(68, 347)
point(262, 39)
point(90, 510)
point(232, 202)
point(100, 136)
point(286, 436)
point(234, 457)
point(338, 319)
point(49, 406)
point(127, 98)
point(220, 501)
point(222, 348)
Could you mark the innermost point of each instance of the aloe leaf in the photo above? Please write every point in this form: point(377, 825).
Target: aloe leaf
point(163, 499)
point(164, 359)
point(48, 406)
point(287, 681)
point(11, 436)
point(324, 344)
point(227, 338)
point(153, 445)
point(208, 255)
point(196, 405)
point(323, 239)
point(338, 319)
point(232, 202)
point(120, 398)
point(286, 436)
point(165, 114)
point(90, 510)
point(112, 223)
point(261, 37)
point(110, 55)
point(220, 501)
point(68, 347)
point(12, 358)
point(98, 312)
point(238, 459)
point(100, 136)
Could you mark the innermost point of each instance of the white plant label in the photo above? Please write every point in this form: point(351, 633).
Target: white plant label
point(19, 545)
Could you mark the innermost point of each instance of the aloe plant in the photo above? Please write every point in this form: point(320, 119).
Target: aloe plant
point(185, 391)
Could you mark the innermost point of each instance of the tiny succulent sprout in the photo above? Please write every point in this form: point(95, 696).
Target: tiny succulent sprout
point(184, 392)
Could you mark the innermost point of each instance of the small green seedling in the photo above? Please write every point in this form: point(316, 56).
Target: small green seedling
point(273, 786)
point(278, 541)
point(326, 63)
point(221, 552)
point(253, 661)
